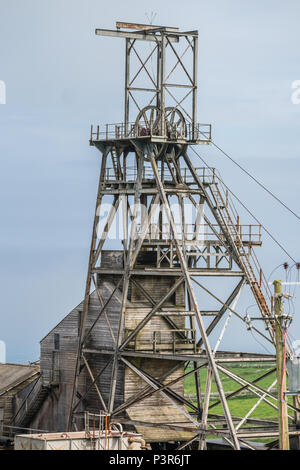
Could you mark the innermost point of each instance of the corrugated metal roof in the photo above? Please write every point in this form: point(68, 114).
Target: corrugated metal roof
point(13, 374)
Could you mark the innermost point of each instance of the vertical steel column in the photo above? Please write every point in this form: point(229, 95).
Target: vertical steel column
point(127, 79)
point(158, 75)
point(184, 268)
point(162, 84)
point(88, 283)
point(127, 269)
point(195, 80)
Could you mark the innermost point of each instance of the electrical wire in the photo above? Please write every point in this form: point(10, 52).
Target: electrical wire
point(255, 339)
point(261, 344)
point(288, 277)
point(297, 280)
point(288, 274)
point(250, 306)
point(290, 287)
point(281, 264)
point(255, 218)
point(256, 180)
point(249, 212)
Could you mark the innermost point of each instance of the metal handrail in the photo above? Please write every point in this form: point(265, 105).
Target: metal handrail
point(131, 130)
point(247, 232)
point(131, 174)
point(175, 341)
point(249, 260)
point(263, 282)
point(29, 399)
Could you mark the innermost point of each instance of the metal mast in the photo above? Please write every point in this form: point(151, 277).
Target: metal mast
point(145, 167)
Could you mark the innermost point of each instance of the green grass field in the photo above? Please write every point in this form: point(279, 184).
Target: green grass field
point(240, 405)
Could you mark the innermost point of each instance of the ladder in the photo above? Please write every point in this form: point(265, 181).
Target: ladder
point(232, 231)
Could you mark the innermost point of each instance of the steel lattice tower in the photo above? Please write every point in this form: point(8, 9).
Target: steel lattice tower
point(145, 166)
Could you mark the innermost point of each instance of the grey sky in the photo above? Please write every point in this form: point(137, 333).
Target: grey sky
point(60, 78)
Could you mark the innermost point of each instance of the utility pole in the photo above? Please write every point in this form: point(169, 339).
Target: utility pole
point(281, 373)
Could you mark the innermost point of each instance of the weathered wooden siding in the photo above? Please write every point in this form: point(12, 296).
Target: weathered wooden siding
point(156, 408)
point(68, 330)
point(13, 379)
point(59, 350)
point(54, 412)
point(144, 339)
point(157, 288)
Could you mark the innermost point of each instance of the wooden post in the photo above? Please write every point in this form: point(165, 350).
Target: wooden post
point(281, 374)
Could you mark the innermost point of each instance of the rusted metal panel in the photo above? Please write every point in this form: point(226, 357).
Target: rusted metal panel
point(126, 25)
point(131, 35)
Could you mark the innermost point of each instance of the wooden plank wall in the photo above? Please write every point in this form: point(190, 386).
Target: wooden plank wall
point(157, 288)
point(63, 340)
point(54, 412)
point(7, 401)
point(155, 409)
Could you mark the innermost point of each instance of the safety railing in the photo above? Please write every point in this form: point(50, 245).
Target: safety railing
point(229, 214)
point(132, 130)
point(28, 401)
point(173, 342)
point(249, 234)
point(130, 174)
point(169, 340)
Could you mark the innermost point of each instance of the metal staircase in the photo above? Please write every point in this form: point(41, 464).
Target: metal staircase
point(31, 404)
point(247, 259)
